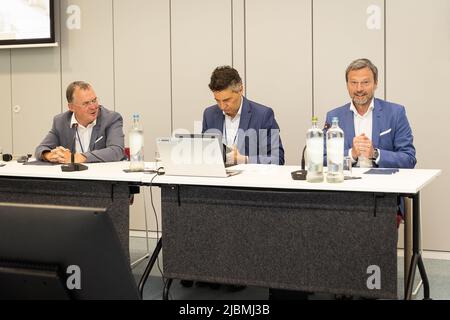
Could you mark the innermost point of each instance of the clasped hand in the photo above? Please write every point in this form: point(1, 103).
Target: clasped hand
point(362, 147)
point(63, 156)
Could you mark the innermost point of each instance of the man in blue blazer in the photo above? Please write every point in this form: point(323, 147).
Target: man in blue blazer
point(373, 129)
point(249, 129)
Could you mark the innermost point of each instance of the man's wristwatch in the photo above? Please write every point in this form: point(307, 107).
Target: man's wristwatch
point(376, 154)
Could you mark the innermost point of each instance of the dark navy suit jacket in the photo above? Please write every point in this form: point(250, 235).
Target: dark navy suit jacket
point(258, 136)
point(391, 133)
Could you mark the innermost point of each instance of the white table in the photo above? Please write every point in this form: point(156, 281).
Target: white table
point(102, 185)
point(279, 177)
point(96, 172)
point(406, 183)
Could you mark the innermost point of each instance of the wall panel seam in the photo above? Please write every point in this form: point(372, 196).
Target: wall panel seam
point(171, 67)
point(385, 50)
point(313, 106)
point(11, 100)
point(232, 33)
point(61, 58)
point(245, 49)
point(114, 54)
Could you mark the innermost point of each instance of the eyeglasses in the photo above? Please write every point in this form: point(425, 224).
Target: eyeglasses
point(363, 84)
point(88, 103)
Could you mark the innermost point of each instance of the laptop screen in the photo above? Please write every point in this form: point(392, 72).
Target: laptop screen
point(192, 155)
point(205, 136)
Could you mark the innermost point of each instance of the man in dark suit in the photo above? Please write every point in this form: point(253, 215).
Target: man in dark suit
point(249, 129)
point(374, 129)
point(96, 131)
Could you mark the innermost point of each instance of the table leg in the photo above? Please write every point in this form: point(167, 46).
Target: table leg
point(149, 267)
point(417, 260)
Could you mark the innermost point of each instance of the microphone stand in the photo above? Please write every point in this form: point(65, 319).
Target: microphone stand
point(72, 166)
point(301, 174)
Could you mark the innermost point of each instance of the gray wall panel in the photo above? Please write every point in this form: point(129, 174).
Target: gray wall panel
point(87, 53)
point(36, 99)
point(239, 37)
point(201, 41)
point(418, 73)
point(142, 78)
point(5, 101)
point(341, 35)
point(142, 66)
point(279, 58)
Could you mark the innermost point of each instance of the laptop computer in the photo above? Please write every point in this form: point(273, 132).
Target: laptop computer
point(193, 155)
point(209, 135)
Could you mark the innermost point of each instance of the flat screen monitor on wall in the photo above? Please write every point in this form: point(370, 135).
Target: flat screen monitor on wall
point(27, 23)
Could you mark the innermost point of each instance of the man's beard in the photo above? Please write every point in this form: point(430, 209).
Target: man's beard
point(361, 101)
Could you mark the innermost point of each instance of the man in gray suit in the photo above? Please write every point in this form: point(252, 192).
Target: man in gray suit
point(96, 131)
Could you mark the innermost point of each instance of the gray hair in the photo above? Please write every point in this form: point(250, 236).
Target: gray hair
point(73, 86)
point(361, 64)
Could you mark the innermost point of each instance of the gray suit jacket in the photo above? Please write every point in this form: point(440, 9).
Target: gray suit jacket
point(109, 126)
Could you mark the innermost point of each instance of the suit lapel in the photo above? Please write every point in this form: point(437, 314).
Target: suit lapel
point(246, 114)
point(349, 126)
point(376, 122)
point(217, 120)
point(95, 131)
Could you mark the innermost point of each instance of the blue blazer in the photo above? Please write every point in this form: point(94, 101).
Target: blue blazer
point(258, 135)
point(391, 133)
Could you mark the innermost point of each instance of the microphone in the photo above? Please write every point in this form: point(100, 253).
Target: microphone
point(301, 174)
point(303, 159)
point(72, 166)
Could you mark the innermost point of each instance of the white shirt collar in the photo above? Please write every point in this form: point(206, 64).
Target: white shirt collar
point(74, 121)
point(371, 107)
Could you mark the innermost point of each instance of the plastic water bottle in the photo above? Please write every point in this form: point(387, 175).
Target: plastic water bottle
point(335, 153)
point(136, 142)
point(314, 149)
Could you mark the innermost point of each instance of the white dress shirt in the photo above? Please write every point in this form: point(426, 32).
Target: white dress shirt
point(83, 138)
point(363, 124)
point(231, 127)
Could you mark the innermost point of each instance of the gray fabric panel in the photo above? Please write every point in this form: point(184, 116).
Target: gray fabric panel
point(114, 196)
point(314, 241)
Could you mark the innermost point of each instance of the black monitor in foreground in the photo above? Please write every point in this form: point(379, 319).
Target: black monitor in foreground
point(53, 252)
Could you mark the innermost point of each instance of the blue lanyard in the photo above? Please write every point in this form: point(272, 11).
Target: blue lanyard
point(79, 140)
